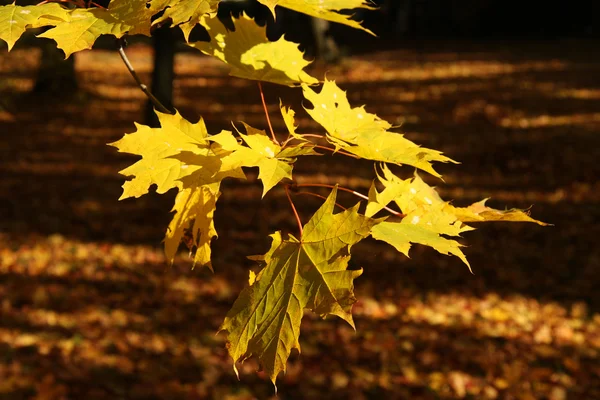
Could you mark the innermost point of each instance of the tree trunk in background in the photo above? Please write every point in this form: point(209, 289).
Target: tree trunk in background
point(163, 73)
point(327, 48)
point(56, 76)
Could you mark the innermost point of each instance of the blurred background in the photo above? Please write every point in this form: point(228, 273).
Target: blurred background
point(89, 307)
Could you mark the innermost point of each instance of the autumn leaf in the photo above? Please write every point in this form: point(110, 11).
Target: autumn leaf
point(187, 13)
point(157, 146)
point(250, 54)
point(194, 207)
point(365, 134)
point(307, 273)
point(14, 20)
point(290, 123)
point(178, 154)
point(85, 25)
point(479, 212)
point(274, 163)
point(324, 9)
point(424, 227)
point(428, 218)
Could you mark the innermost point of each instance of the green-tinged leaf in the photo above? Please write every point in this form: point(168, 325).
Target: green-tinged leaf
point(187, 13)
point(177, 154)
point(194, 205)
point(365, 134)
point(85, 25)
point(250, 54)
point(324, 9)
point(307, 273)
point(14, 20)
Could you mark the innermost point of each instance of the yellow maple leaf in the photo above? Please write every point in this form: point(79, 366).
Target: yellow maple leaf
point(14, 20)
point(428, 218)
point(163, 152)
point(194, 207)
point(324, 9)
point(187, 13)
point(85, 25)
point(363, 133)
point(250, 54)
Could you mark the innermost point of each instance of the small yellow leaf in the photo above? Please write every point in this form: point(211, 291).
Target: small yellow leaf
point(324, 9)
point(197, 206)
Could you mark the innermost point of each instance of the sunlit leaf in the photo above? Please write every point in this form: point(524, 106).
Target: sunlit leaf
point(307, 273)
point(157, 146)
point(194, 206)
point(365, 134)
point(14, 20)
point(324, 9)
point(250, 54)
point(86, 25)
point(428, 218)
point(187, 13)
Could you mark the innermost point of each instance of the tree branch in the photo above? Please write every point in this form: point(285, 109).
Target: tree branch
point(159, 106)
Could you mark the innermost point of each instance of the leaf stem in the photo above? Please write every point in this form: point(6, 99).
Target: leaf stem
point(362, 196)
point(339, 151)
point(159, 106)
point(321, 197)
point(262, 97)
point(290, 138)
point(287, 193)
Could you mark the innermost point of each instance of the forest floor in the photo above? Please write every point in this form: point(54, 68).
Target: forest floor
point(90, 309)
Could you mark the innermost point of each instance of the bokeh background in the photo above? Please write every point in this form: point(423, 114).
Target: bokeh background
point(90, 309)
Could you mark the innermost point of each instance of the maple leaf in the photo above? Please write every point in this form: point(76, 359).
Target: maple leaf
point(288, 118)
point(324, 9)
point(194, 205)
point(424, 227)
point(85, 25)
point(307, 273)
point(273, 161)
point(187, 13)
point(162, 163)
point(14, 20)
point(479, 212)
point(427, 216)
point(365, 134)
point(250, 54)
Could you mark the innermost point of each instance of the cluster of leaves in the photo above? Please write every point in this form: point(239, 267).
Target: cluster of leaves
point(305, 272)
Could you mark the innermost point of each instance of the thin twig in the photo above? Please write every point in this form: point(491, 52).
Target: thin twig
point(290, 138)
point(312, 135)
point(321, 197)
point(262, 97)
point(338, 151)
point(362, 196)
point(287, 192)
point(159, 106)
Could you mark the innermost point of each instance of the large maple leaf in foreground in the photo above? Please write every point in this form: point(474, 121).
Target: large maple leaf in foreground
point(310, 272)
